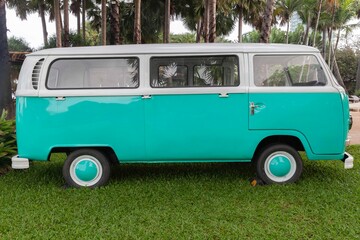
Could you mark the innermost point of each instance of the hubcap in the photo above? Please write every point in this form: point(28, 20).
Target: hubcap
point(280, 166)
point(86, 170)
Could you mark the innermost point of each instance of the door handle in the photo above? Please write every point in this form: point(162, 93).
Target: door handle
point(223, 95)
point(254, 106)
point(146, 97)
point(60, 98)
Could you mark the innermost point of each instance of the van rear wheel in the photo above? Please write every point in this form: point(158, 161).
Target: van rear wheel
point(279, 163)
point(86, 168)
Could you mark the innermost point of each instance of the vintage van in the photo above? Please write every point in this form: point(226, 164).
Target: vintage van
point(174, 103)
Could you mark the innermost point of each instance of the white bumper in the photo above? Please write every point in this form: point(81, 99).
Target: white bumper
point(19, 163)
point(348, 161)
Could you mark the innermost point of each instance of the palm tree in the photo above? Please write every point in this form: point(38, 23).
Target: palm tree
point(166, 32)
point(103, 22)
point(5, 86)
point(317, 21)
point(137, 22)
point(285, 9)
point(306, 13)
point(247, 10)
point(212, 20)
point(266, 23)
point(115, 23)
point(75, 8)
point(66, 23)
point(58, 23)
point(83, 18)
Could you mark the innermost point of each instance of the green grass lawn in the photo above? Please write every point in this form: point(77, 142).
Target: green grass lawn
point(182, 201)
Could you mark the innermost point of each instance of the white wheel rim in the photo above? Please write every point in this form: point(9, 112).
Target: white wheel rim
point(269, 164)
point(93, 162)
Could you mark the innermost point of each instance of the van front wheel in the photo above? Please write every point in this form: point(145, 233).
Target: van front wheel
point(86, 168)
point(279, 163)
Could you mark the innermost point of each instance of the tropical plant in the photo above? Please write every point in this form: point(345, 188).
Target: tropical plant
point(266, 24)
point(137, 22)
point(248, 11)
point(115, 23)
point(16, 44)
point(7, 137)
point(285, 9)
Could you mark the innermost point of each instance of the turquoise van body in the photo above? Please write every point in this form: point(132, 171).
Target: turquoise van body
point(149, 123)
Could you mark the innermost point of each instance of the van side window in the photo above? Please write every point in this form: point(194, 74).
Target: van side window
point(93, 73)
point(202, 71)
point(288, 70)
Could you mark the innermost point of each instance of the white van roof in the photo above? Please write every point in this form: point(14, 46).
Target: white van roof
point(177, 48)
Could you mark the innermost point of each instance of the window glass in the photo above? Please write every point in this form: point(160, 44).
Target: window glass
point(172, 75)
point(288, 70)
point(94, 73)
point(202, 71)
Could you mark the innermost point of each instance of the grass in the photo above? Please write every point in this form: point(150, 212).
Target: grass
point(182, 201)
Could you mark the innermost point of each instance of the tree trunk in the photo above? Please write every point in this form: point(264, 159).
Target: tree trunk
point(323, 50)
point(308, 23)
point(357, 87)
point(335, 49)
point(317, 22)
point(103, 22)
point(287, 32)
point(137, 22)
point(5, 85)
point(266, 24)
point(338, 76)
point(199, 27)
point(241, 12)
point(166, 37)
point(41, 6)
point(212, 20)
point(206, 21)
point(58, 23)
point(66, 23)
point(78, 20)
point(115, 23)
point(83, 19)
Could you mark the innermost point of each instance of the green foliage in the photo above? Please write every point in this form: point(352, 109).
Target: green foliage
point(347, 63)
point(251, 37)
point(277, 35)
point(18, 45)
point(92, 39)
point(183, 38)
point(7, 137)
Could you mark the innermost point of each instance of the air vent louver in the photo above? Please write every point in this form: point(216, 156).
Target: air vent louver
point(36, 73)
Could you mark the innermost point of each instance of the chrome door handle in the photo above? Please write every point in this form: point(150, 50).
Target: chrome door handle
point(223, 95)
point(252, 108)
point(146, 97)
point(60, 98)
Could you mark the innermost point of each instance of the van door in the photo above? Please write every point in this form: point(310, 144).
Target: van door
point(197, 109)
point(292, 93)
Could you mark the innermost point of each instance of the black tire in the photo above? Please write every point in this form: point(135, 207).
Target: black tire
point(279, 163)
point(86, 168)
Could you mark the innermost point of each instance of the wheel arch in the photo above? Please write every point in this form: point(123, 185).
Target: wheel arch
point(290, 140)
point(106, 150)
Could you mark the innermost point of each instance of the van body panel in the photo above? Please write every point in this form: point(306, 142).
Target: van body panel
point(302, 112)
point(196, 126)
point(117, 122)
